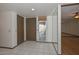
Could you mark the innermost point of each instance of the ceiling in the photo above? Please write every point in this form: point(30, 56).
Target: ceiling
point(67, 12)
point(25, 9)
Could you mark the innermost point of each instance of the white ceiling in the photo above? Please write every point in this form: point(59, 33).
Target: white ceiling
point(67, 12)
point(24, 9)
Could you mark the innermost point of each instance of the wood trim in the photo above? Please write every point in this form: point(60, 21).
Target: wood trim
point(9, 47)
point(20, 29)
point(70, 34)
point(42, 18)
point(69, 4)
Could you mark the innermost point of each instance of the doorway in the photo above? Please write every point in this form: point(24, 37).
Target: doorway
point(42, 24)
point(31, 29)
point(69, 30)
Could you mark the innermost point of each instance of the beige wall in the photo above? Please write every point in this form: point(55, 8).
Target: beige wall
point(71, 27)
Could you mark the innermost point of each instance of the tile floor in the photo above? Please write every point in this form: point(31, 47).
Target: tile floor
point(55, 45)
point(30, 48)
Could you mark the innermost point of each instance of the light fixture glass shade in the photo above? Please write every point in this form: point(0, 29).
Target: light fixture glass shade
point(76, 16)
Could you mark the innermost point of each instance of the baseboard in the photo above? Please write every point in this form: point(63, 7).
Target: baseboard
point(11, 47)
point(44, 42)
point(71, 34)
point(7, 47)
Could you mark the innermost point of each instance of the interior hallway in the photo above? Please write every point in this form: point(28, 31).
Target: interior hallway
point(30, 48)
point(70, 44)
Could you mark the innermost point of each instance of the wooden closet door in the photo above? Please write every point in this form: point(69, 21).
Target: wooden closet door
point(20, 29)
point(31, 29)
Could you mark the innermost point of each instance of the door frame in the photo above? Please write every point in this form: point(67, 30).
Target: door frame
point(25, 28)
point(59, 29)
point(37, 33)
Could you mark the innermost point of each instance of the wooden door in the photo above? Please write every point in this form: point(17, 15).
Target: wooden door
point(20, 29)
point(31, 29)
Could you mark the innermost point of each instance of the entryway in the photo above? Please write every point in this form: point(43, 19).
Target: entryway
point(30, 48)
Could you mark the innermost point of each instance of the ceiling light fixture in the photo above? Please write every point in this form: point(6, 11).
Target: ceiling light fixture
point(76, 16)
point(33, 9)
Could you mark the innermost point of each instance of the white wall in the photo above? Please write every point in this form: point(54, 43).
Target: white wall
point(14, 28)
point(59, 29)
point(71, 27)
point(56, 28)
point(54, 15)
point(49, 34)
point(8, 29)
point(54, 24)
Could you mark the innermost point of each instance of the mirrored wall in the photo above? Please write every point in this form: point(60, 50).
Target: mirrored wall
point(42, 28)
